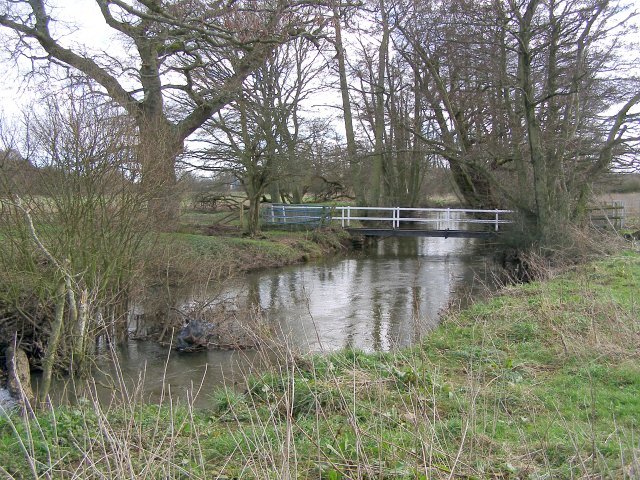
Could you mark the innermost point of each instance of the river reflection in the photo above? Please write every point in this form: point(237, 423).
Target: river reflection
point(379, 301)
point(386, 297)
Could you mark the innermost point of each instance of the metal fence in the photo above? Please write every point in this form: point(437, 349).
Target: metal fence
point(434, 218)
point(608, 215)
point(292, 215)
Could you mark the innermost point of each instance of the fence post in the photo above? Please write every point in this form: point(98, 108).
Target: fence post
point(448, 219)
point(619, 213)
point(497, 214)
point(348, 215)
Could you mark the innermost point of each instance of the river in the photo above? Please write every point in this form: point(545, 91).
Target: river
point(385, 297)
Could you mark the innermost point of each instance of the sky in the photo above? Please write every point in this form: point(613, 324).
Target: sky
point(84, 25)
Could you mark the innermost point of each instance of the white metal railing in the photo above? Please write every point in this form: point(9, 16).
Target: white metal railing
point(446, 217)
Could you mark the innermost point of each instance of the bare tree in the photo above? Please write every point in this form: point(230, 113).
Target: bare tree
point(519, 96)
point(338, 18)
point(173, 47)
point(71, 239)
point(388, 101)
point(566, 89)
point(258, 137)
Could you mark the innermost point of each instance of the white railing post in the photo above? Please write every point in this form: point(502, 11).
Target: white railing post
point(497, 222)
point(348, 215)
point(448, 218)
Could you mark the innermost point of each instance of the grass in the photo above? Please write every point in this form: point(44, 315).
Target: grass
point(541, 381)
point(195, 256)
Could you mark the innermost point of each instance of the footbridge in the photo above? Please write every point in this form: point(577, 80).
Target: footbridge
point(393, 221)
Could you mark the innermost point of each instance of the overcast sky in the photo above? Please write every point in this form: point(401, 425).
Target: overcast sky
point(82, 24)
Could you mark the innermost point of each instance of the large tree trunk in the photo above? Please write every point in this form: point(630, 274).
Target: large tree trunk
point(474, 185)
point(253, 216)
point(159, 147)
point(534, 134)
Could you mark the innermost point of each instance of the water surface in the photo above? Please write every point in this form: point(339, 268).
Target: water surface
point(386, 297)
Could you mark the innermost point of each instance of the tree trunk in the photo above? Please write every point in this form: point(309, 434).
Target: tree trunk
point(52, 345)
point(377, 172)
point(253, 216)
point(80, 340)
point(19, 377)
point(354, 167)
point(474, 185)
point(158, 148)
point(534, 134)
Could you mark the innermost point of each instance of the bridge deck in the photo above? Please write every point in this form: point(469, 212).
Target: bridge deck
point(389, 232)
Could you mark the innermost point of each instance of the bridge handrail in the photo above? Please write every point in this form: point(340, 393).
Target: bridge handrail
point(426, 209)
point(346, 215)
point(426, 220)
point(430, 209)
point(286, 213)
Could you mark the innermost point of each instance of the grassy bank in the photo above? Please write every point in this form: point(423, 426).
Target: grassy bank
point(204, 249)
point(195, 256)
point(542, 381)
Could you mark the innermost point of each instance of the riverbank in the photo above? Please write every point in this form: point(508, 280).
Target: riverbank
point(209, 253)
point(541, 381)
point(200, 252)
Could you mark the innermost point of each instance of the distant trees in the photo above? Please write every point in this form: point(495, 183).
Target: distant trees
point(259, 135)
point(388, 157)
point(526, 102)
point(15, 170)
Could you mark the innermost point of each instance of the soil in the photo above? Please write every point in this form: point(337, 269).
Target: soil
point(218, 229)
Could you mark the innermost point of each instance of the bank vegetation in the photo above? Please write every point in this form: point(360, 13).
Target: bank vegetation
point(540, 381)
point(79, 247)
